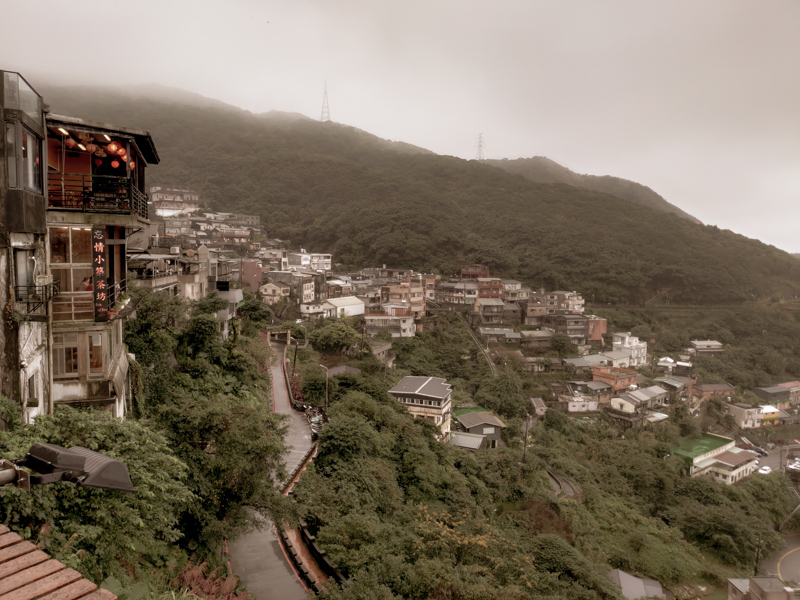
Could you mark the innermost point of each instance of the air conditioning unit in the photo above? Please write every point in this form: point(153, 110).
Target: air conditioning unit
point(175, 250)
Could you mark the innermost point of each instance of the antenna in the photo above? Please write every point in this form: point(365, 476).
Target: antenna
point(326, 113)
point(480, 148)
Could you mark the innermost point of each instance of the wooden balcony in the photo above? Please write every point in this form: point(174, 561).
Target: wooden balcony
point(95, 194)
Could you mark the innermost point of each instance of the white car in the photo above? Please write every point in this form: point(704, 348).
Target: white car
point(765, 470)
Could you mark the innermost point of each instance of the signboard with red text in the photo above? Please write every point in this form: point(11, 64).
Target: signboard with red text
point(99, 274)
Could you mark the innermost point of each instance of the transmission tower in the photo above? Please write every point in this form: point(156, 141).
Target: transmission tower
point(326, 113)
point(480, 148)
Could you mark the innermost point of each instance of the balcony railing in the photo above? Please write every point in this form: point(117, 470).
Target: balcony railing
point(95, 193)
point(115, 291)
point(38, 295)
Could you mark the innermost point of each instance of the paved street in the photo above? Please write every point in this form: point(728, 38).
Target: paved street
point(257, 558)
point(784, 563)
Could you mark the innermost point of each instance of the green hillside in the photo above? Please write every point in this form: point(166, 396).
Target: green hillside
point(329, 187)
point(544, 170)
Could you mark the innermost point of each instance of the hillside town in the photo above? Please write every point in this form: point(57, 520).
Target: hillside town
point(82, 230)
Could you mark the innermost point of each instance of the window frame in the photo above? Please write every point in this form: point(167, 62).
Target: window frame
point(18, 164)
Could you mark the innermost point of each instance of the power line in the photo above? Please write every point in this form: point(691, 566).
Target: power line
point(326, 113)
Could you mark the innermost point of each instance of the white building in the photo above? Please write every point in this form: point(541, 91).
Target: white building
point(349, 306)
point(426, 398)
point(638, 349)
point(309, 260)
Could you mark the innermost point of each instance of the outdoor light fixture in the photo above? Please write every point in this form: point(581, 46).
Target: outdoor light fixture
point(82, 147)
point(78, 465)
point(63, 131)
point(108, 139)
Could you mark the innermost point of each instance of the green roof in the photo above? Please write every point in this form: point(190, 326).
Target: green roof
point(469, 409)
point(693, 447)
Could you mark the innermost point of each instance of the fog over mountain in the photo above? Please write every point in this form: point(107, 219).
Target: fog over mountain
point(696, 101)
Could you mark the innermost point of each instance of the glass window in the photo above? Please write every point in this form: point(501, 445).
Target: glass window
point(29, 101)
point(11, 155)
point(81, 280)
point(59, 244)
point(81, 246)
point(65, 356)
point(20, 96)
point(71, 260)
point(96, 354)
point(24, 266)
point(31, 161)
point(11, 87)
point(32, 385)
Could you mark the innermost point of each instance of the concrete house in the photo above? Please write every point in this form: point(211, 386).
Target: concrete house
point(745, 415)
point(349, 306)
point(489, 310)
point(705, 347)
point(426, 398)
point(482, 423)
point(630, 343)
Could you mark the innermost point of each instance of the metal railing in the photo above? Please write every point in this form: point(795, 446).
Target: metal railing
point(113, 292)
point(37, 295)
point(95, 193)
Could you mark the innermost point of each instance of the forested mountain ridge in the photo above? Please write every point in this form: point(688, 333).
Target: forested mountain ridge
point(333, 188)
point(544, 170)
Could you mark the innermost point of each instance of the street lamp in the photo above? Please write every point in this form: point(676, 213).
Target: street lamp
point(78, 465)
point(326, 389)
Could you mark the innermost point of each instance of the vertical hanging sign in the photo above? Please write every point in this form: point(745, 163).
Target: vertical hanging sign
point(99, 274)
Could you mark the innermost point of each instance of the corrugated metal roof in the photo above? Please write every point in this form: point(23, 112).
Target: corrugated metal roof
point(470, 441)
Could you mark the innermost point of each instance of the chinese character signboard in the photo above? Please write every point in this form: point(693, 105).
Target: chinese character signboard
point(99, 275)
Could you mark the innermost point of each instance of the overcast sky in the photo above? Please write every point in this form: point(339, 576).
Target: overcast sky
point(699, 100)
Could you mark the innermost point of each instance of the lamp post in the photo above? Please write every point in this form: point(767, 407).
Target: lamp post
point(326, 389)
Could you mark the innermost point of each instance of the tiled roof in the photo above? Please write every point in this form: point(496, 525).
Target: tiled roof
point(30, 574)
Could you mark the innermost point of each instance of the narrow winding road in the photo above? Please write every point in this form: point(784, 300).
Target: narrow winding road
point(258, 557)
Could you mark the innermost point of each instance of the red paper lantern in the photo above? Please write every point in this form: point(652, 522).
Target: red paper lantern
point(115, 163)
point(113, 147)
point(70, 143)
point(91, 148)
point(98, 162)
point(122, 152)
point(133, 164)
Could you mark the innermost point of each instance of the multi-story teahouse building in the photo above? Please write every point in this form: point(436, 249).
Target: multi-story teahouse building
point(71, 193)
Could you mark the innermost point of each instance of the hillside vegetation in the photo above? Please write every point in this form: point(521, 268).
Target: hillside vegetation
point(544, 170)
point(330, 187)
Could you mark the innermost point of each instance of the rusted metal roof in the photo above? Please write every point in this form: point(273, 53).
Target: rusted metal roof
point(30, 574)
